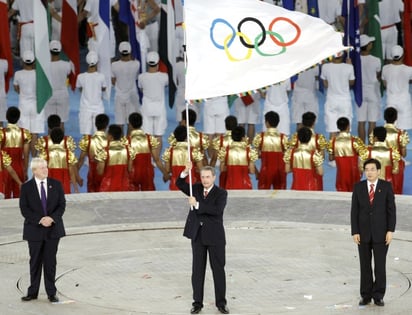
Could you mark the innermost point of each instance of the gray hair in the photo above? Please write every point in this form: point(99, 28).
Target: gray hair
point(36, 162)
point(208, 168)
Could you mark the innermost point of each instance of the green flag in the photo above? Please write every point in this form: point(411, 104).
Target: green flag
point(373, 28)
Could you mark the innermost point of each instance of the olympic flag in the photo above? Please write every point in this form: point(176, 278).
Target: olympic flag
point(234, 49)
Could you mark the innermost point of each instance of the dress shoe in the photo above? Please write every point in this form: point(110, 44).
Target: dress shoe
point(53, 299)
point(195, 309)
point(364, 301)
point(28, 298)
point(223, 309)
point(379, 302)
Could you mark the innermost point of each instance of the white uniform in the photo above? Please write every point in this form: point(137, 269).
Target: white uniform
point(389, 15)
point(58, 104)
point(92, 6)
point(370, 110)
point(56, 25)
point(25, 9)
point(154, 105)
point(91, 103)
point(277, 100)
point(305, 95)
point(338, 98)
point(329, 10)
point(215, 111)
point(29, 118)
point(126, 99)
point(397, 92)
point(4, 66)
point(247, 114)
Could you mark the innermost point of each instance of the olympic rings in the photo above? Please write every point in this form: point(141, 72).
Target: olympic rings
point(266, 54)
point(258, 23)
point(258, 40)
point(298, 31)
point(213, 27)
point(249, 51)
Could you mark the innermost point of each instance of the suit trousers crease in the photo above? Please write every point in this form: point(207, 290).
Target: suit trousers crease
point(45, 251)
point(373, 286)
point(217, 264)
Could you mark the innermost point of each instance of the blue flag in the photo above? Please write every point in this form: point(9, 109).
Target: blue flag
point(313, 8)
point(289, 4)
point(350, 12)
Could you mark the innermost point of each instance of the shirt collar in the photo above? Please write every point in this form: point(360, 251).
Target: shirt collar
point(208, 190)
point(374, 183)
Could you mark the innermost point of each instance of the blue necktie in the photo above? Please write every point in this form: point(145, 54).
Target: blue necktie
point(43, 198)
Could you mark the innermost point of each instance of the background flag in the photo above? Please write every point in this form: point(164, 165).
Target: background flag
point(224, 60)
point(5, 49)
point(42, 53)
point(289, 4)
point(313, 8)
point(350, 12)
point(373, 28)
point(166, 46)
point(70, 38)
point(407, 31)
point(127, 17)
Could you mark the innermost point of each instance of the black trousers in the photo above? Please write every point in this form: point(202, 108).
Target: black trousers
point(370, 287)
point(43, 255)
point(217, 263)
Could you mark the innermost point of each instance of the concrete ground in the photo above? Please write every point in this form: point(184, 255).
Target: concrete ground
point(287, 253)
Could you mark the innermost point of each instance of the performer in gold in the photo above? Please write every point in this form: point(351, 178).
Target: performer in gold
point(196, 138)
point(89, 146)
point(145, 147)
point(388, 157)
point(317, 142)
point(15, 141)
point(395, 138)
point(176, 156)
point(238, 161)
point(344, 149)
point(271, 146)
point(115, 162)
point(61, 162)
point(222, 141)
point(5, 165)
point(304, 162)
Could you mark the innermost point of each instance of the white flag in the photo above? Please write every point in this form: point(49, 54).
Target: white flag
point(243, 45)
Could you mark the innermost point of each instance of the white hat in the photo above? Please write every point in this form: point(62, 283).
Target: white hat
point(92, 58)
point(365, 39)
point(55, 46)
point(28, 56)
point(125, 48)
point(152, 58)
point(397, 52)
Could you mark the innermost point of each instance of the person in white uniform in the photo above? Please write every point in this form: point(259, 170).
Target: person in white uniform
point(305, 95)
point(25, 31)
point(277, 100)
point(124, 75)
point(25, 86)
point(4, 67)
point(337, 78)
point(92, 85)
point(396, 78)
point(58, 104)
point(370, 109)
point(390, 12)
point(153, 84)
point(247, 112)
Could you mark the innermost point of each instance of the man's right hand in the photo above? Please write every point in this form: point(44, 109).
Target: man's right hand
point(356, 238)
point(188, 167)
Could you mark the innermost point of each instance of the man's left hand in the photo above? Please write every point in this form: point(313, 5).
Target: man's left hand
point(388, 238)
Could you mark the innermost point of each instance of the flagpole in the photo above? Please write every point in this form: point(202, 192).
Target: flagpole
point(187, 111)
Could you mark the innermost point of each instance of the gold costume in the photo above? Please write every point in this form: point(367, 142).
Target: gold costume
point(388, 157)
point(317, 141)
point(139, 143)
point(46, 142)
point(179, 152)
point(93, 144)
point(302, 157)
point(6, 160)
point(271, 141)
point(342, 145)
point(197, 139)
point(117, 153)
point(222, 141)
point(15, 136)
point(58, 157)
point(395, 138)
point(237, 154)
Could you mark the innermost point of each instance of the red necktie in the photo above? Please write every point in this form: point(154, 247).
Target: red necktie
point(371, 194)
point(205, 193)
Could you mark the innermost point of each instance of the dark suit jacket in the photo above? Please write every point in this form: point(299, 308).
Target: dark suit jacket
point(209, 216)
point(373, 221)
point(32, 210)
